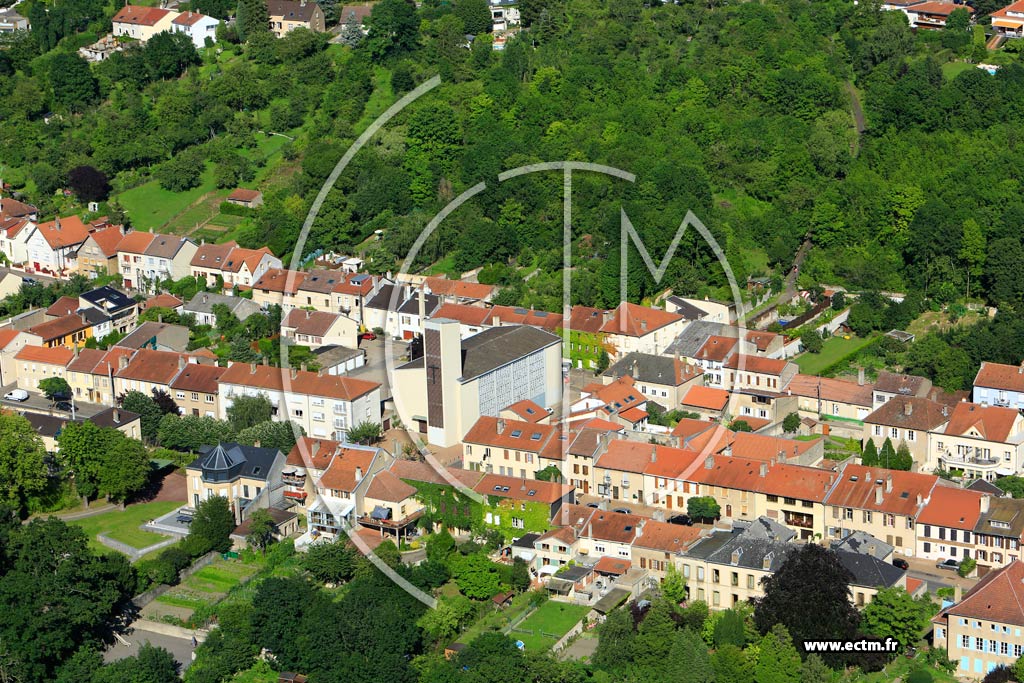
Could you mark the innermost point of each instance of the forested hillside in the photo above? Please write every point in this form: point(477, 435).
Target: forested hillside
point(740, 112)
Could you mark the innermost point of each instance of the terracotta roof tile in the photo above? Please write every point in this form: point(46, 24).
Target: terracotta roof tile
point(63, 306)
point(280, 280)
point(311, 383)
point(458, 288)
point(910, 412)
point(56, 355)
point(857, 485)
point(64, 232)
point(244, 195)
point(998, 597)
point(829, 389)
point(670, 538)
point(758, 364)
point(107, 239)
point(716, 348)
point(341, 473)
point(135, 242)
point(708, 398)
point(313, 323)
point(148, 365)
point(524, 316)
point(519, 489)
point(952, 507)
point(990, 423)
point(586, 319)
point(528, 411)
point(997, 375)
point(387, 486)
point(763, 447)
point(633, 320)
point(199, 378)
point(59, 328)
point(162, 301)
point(138, 15)
point(212, 255)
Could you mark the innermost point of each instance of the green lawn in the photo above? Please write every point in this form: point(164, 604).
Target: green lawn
point(494, 620)
point(124, 525)
point(151, 206)
point(381, 98)
point(554, 618)
point(953, 69)
point(833, 350)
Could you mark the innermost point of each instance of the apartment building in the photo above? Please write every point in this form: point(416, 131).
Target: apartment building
point(511, 447)
point(906, 420)
point(984, 441)
point(662, 379)
point(1001, 385)
point(631, 327)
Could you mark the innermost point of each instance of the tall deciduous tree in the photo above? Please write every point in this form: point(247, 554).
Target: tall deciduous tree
point(271, 434)
point(393, 28)
point(146, 408)
point(973, 250)
point(212, 525)
point(252, 19)
point(894, 613)
point(616, 638)
point(777, 659)
point(249, 411)
point(89, 184)
point(261, 530)
point(73, 84)
point(811, 575)
point(22, 465)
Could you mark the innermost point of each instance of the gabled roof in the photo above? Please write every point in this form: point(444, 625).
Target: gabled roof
point(64, 232)
point(586, 319)
point(779, 479)
point(910, 412)
point(952, 507)
point(464, 313)
point(313, 323)
point(299, 382)
point(108, 299)
point(161, 301)
point(764, 447)
point(56, 355)
point(212, 255)
point(291, 10)
point(135, 242)
point(233, 461)
point(107, 239)
point(243, 195)
point(312, 452)
point(522, 489)
point(526, 316)
point(347, 469)
point(280, 280)
point(708, 398)
point(1005, 518)
point(138, 15)
point(652, 369)
point(998, 597)
point(498, 346)
point(899, 491)
point(250, 258)
point(758, 364)
point(633, 320)
point(669, 538)
point(716, 348)
point(166, 246)
point(321, 281)
point(203, 302)
point(63, 306)
point(990, 423)
point(941, 8)
point(189, 19)
point(7, 335)
point(527, 410)
point(833, 390)
point(59, 328)
point(157, 367)
point(997, 375)
point(388, 487)
point(198, 378)
point(458, 288)
point(905, 385)
point(868, 570)
point(618, 396)
point(10, 207)
point(512, 434)
point(360, 284)
point(416, 471)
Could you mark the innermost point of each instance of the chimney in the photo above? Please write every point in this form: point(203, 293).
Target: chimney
point(122, 362)
point(709, 462)
point(908, 408)
point(295, 373)
point(654, 454)
point(181, 362)
point(422, 302)
point(205, 298)
point(160, 318)
point(958, 594)
point(252, 368)
point(888, 483)
point(359, 474)
point(590, 530)
point(764, 470)
point(84, 321)
point(117, 416)
point(256, 443)
point(643, 325)
point(860, 376)
point(984, 504)
point(303, 366)
point(315, 448)
point(496, 320)
point(501, 425)
point(633, 371)
point(878, 495)
point(639, 529)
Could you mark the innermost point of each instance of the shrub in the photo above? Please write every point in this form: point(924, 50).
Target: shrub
point(919, 676)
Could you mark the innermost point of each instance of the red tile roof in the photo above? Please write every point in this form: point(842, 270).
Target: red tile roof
point(199, 378)
point(998, 597)
point(212, 255)
point(670, 538)
point(780, 479)
point(716, 348)
point(311, 383)
point(857, 485)
point(63, 306)
point(708, 398)
point(341, 473)
point(148, 365)
point(189, 19)
point(313, 323)
point(249, 258)
point(829, 389)
point(422, 471)
point(312, 452)
point(514, 434)
point(138, 15)
point(952, 507)
point(761, 340)
point(522, 316)
point(519, 489)
point(528, 411)
point(59, 328)
point(388, 487)
point(458, 288)
point(86, 360)
point(762, 447)
point(942, 8)
point(162, 301)
point(633, 414)
point(910, 412)
point(135, 242)
point(7, 336)
point(244, 195)
point(758, 364)
point(612, 565)
point(633, 320)
point(997, 375)
point(56, 355)
point(64, 232)
point(280, 280)
point(107, 239)
point(586, 319)
point(1017, 8)
point(464, 313)
point(990, 423)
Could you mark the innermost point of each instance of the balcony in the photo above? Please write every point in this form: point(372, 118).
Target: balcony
point(294, 479)
point(296, 495)
point(368, 521)
point(973, 460)
point(801, 521)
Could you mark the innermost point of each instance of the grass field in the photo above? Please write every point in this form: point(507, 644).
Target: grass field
point(201, 590)
point(555, 618)
point(833, 350)
point(953, 69)
point(124, 525)
point(151, 206)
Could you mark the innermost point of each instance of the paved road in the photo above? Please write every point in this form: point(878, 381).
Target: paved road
point(37, 403)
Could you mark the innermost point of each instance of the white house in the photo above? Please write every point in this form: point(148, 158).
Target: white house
point(196, 26)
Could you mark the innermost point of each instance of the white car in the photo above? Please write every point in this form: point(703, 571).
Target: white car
point(16, 395)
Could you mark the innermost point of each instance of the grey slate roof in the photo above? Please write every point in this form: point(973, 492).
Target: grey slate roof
point(983, 486)
point(381, 301)
point(51, 425)
point(693, 337)
point(109, 299)
point(765, 528)
point(497, 346)
point(686, 309)
point(864, 543)
point(230, 461)
point(868, 570)
point(649, 368)
point(431, 302)
point(720, 547)
point(329, 356)
point(322, 281)
point(203, 302)
point(526, 541)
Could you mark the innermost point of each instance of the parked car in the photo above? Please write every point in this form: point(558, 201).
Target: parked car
point(63, 405)
point(624, 511)
point(184, 518)
point(593, 505)
point(901, 563)
point(367, 336)
point(16, 395)
point(949, 564)
point(683, 520)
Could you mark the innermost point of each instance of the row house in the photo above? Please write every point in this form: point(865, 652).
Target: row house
point(586, 341)
point(712, 356)
point(708, 403)
point(511, 447)
point(146, 370)
point(17, 220)
point(514, 505)
point(325, 406)
point(631, 327)
point(906, 420)
point(741, 371)
point(318, 328)
point(196, 391)
point(459, 291)
point(119, 311)
point(945, 527)
point(620, 402)
point(146, 259)
point(91, 374)
point(278, 287)
point(71, 330)
point(983, 441)
point(98, 254)
point(527, 411)
point(662, 379)
point(232, 265)
point(413, 313)
point(890, 385)
point(517, 315)
point(820, 397)
point(11, 342)
point(472, 319)
point(883, 503)
point(36, 363)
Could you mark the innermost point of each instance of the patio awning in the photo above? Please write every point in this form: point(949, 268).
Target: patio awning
point(381, 512)
point(560, 586)
point(547, 569)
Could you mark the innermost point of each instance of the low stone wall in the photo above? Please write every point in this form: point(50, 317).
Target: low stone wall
point(143, 599)
point(170, 630)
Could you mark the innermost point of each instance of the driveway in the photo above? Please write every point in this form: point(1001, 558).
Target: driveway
point(181, 648)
